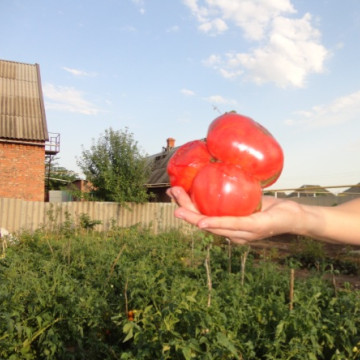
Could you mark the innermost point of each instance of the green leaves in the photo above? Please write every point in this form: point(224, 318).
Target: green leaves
point(116, 168)
point(52, 308)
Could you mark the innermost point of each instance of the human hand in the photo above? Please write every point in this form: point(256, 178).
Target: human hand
point(278, 216)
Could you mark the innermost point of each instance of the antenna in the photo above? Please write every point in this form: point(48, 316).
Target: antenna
point(215, 108)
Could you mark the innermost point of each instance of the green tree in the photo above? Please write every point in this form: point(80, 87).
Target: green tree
point(116, 168)
point(57, 177)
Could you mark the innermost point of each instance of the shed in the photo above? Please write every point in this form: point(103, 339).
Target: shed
point(24, 134)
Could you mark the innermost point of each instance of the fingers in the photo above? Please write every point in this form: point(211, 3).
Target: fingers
point(231, 223)
point(240, 230)
point(237, 237)
point(179, 195)
point(192, 217)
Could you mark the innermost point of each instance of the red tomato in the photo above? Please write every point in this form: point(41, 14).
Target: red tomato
point(131, 315)
point(239, 140)
point(221, 189)
point(186, 162)
point(225, 174)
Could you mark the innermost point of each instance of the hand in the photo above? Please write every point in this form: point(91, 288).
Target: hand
point(278, 216)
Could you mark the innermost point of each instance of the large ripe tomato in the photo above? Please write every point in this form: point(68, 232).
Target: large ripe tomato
point(237, 139)
point(221, 189)
point(225, 174)
point(186, 162)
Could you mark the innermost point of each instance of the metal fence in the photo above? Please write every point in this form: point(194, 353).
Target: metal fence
point(19, 215)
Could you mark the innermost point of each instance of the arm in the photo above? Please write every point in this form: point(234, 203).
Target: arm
point(339, 224)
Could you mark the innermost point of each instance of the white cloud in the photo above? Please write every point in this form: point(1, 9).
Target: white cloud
point(253, 16)
point(141, 5)
point(213, 60)
point(220, 100)
point(286, 49)
point(128, 29)
point(68, 99)
point(187, 92)
point(343, 109)
point(215, 26)
point(173, 29)
point(77, 72)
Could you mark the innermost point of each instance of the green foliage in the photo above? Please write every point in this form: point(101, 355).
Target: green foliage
point(67, 295)
point(57, 177)
point(116, 168)
point(309, 253)
point(86, 223)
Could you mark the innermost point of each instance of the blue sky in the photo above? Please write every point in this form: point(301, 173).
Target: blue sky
point(167, 68)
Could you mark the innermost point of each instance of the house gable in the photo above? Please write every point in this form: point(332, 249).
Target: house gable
point(23, 132)
point(22, 113)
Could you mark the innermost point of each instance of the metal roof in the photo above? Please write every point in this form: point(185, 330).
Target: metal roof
point(22, 112)
point(158, 175)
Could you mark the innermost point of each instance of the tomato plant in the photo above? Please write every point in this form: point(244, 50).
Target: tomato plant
point(130, 294)
point(224, 174)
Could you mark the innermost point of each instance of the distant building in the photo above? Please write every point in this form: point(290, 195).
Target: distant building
point(158, 181)
point(24, 137)
point(352, 192)
point(310, 191)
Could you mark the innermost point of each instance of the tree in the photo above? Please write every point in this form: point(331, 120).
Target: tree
point(116, 168)
point(57, 177)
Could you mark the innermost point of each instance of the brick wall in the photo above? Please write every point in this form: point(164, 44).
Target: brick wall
point(22, 171)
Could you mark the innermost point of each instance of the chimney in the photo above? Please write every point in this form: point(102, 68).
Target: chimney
point(170, 143)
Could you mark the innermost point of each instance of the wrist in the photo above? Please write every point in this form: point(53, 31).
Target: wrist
point(310, 221)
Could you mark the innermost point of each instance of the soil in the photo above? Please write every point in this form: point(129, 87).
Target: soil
point(281, 247)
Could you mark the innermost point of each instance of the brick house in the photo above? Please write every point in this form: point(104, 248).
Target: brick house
point(24, 137)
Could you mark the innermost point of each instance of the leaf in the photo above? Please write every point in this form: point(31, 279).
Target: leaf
point(28, 341)
point(190, 298)
point(187, 353)
point(225, 342)
point(279, 329)
point(128, 329)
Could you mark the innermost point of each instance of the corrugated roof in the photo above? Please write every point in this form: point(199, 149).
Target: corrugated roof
point(355, 189)
point(158, 163)
point(22, 113)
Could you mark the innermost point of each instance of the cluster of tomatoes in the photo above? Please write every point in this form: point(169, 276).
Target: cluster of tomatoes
point(225, 173)
point(130, 315)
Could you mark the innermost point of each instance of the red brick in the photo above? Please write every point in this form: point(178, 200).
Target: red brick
point(22, 171)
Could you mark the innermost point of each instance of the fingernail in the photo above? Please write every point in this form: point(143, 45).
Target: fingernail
point(179, 214)
point(203, 225)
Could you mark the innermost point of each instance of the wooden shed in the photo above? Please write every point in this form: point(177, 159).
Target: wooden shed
point(23, 132)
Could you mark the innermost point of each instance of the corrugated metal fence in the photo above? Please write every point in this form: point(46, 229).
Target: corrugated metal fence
point(19, 215)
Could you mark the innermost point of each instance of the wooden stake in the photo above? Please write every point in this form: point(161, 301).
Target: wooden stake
point(292, 276)
point(333, 280)
point(229, 255)
point(243, 264)
point(115, 262)
point(126, 298)
point(208, 273)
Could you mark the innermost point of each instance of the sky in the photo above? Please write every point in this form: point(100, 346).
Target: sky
point(163, 69)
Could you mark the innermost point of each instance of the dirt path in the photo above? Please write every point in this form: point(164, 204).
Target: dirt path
point(284, 246)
